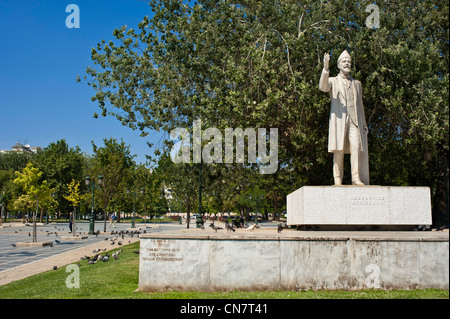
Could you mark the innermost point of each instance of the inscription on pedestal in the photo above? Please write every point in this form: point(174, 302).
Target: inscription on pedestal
point(162, 250)
point(367, 200)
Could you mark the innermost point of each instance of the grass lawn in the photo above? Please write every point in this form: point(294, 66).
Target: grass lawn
point(118, 279)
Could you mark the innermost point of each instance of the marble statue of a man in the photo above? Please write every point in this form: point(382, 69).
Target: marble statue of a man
point(347, 124)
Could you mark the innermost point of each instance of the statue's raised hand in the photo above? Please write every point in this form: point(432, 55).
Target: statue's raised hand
point(326, 61)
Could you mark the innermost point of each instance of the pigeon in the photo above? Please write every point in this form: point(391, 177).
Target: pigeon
point(281, 227)
point(229, 228)
point(252, 227)
point(29, 234)
point(105, 258)
point(440, 228)
point(115, 256)
point(57, 241)
point(54, 267)
point(216, 228)
point(91, 262)
point(14, 245)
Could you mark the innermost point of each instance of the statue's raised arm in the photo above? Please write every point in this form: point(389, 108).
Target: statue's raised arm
point(324, 83)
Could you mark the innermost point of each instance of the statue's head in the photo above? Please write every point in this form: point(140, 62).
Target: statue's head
point(345, 63)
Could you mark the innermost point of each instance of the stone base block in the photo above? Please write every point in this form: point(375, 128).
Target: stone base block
point(74, 237)
point(37, 244)
point(278, 262)
point(359, 205)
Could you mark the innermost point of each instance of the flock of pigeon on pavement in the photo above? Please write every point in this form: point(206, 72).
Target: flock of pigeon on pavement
point(230, 228)
point(120, 237)
point(121, 233)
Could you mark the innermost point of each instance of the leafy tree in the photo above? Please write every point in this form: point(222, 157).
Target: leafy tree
point(60, 164)
point(115, 163)
point(9, 163)
point(182, 181)
point(74, 197)
point(14, 160)
point(257, 64)
point(148, 184)
point(34, 189)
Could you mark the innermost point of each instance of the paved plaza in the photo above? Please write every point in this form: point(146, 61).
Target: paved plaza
point(14, 259)
point(20, 262)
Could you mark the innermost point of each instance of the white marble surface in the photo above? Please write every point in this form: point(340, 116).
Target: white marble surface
point(359, 205)
point(226, 263)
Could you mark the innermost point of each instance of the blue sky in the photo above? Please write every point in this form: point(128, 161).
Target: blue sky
point(40, 100)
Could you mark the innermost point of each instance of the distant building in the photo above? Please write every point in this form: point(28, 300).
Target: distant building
point(19, 147)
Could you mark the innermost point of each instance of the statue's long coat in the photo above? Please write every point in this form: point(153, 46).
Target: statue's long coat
point(338, 114)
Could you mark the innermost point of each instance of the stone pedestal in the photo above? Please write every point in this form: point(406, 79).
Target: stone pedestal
point(208, 261)
point(36, 244)
point(74, 237)
point(359, 205)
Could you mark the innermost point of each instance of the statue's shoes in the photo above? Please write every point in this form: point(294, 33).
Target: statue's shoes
point(358, 183)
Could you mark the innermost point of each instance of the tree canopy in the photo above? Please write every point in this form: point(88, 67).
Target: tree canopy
point(257, 64)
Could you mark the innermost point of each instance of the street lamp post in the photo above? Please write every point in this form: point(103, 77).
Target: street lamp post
point(93, 186)
point(199, 220)
point(133, 222)
point(2, 196)
point(258, 201)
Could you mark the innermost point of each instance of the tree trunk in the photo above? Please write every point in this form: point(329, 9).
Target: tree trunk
point(74, 223)
point(440, 213)
point(188, 215)
point(41, 215)
point(275, 209)
point(34, 221)
point(105, 214)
